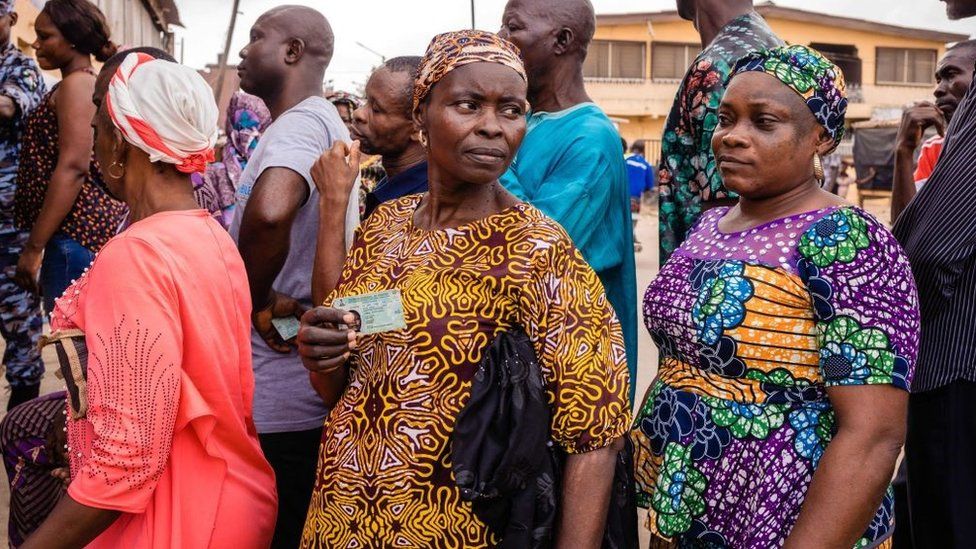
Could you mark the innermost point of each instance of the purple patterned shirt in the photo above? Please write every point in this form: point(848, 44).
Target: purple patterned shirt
point(753, 327)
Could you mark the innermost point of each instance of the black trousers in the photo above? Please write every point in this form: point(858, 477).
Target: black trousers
point(941, 454)
point(294, 456)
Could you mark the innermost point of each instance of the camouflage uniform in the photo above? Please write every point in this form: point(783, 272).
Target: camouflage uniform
point(21, 322)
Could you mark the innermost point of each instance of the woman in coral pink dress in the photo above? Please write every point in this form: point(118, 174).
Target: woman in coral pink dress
point(154, 342)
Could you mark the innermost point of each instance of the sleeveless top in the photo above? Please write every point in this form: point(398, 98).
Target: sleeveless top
point(95, 216)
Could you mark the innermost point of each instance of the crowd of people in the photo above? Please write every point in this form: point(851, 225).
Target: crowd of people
point(260, 350)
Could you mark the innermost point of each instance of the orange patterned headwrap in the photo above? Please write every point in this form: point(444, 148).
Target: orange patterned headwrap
point(451, 50)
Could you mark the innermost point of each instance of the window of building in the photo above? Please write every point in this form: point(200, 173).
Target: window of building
point(671, 61)
point(597, 64)
point(615, 59)
point(905, 66)
point(844, 56)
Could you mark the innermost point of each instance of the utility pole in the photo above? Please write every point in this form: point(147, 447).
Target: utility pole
point(372, 51)
point(472, 15)
point(223, 59)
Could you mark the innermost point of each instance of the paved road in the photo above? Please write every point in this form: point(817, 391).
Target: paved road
point(647, 266)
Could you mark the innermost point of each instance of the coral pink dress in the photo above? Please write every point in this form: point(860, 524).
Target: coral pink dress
point(168, 438)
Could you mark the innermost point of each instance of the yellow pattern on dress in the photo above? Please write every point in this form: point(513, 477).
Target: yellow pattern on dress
point(384, 470)
point(778, 332)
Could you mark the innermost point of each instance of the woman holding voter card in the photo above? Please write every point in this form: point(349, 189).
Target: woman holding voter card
point(430, 282)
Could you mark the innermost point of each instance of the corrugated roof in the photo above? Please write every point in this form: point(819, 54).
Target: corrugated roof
point(769, 9)
point(166, 12)
point(171, 12)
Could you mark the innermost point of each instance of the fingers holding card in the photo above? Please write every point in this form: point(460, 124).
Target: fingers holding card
point(378, 312)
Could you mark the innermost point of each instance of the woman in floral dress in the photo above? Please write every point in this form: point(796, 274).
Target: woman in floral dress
point(787, 328)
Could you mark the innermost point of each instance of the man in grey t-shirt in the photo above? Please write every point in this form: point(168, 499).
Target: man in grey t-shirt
point(283, 399)
point(275, 226)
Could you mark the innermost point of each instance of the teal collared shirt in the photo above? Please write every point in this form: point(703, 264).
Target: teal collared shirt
point(571, 166)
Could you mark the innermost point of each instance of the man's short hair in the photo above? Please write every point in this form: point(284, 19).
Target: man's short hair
point(409, 64)
point(308, 25)
point(404, 63)
point(965, 45)
point(580, 16)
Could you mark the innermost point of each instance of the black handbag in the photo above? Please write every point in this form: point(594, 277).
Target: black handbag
point(505, 462)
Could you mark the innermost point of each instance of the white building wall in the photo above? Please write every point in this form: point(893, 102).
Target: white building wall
point(131, 21)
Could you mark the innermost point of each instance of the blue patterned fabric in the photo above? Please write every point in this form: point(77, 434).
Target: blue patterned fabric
point(20, 311)
point(20, 80)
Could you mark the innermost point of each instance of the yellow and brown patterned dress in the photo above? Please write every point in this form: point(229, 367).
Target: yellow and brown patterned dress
point(384, 465)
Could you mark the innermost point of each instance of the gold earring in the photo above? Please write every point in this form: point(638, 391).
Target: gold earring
point(121, 168)
point(423, 139)
point(818, 170)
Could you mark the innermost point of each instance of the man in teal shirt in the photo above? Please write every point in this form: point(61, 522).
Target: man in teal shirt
point(571, 164)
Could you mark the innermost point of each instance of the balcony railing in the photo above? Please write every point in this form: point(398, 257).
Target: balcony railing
point(633, 97)
point(648, 97)
point(855, 93)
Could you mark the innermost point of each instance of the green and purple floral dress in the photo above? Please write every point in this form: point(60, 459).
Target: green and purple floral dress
point(753, 328)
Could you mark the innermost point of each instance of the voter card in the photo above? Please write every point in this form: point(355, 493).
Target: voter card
point(287, 327)
point(378, 312)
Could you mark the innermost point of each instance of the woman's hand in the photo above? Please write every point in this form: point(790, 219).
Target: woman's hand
point(322, 344)
point(335, 172)
point(280, 306)
point(28, 268)
point(70, 524)
point(63, 474)
point(325, 348)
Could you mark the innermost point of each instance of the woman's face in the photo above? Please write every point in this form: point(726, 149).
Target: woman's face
point(766, 137)
point(475, 120)
point(53, 50)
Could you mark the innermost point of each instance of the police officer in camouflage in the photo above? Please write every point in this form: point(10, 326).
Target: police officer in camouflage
point(21, 90)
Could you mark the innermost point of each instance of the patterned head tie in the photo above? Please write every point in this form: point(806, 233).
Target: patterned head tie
point(451, 50)
point(811, 75)
point(341, 97)
point(165, 109)
point(6, 7)
point(247, 119)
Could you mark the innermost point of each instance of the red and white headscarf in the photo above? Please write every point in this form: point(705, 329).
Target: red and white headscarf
point(165, 109)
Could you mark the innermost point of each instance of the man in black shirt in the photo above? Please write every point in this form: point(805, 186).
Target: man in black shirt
point(384, 126)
